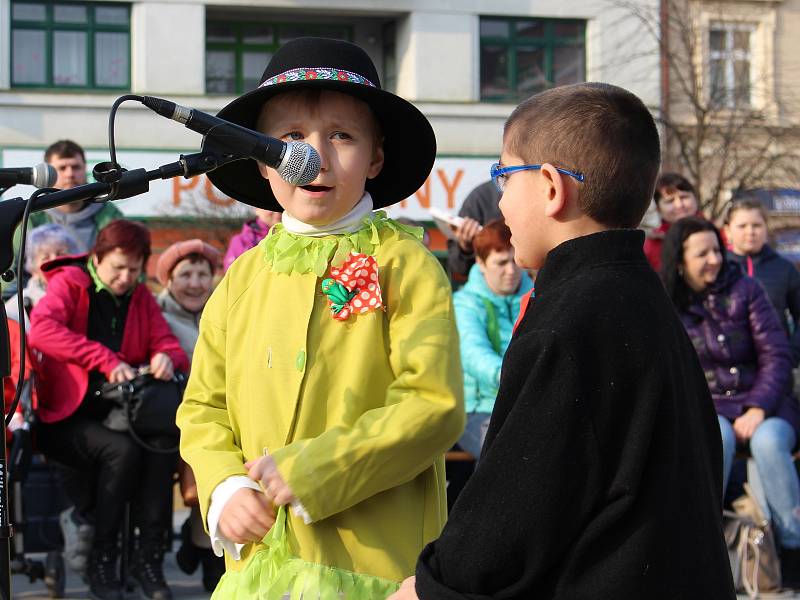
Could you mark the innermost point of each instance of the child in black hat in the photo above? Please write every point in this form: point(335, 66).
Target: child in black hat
point(326, 376)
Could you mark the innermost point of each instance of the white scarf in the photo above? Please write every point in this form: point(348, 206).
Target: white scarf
point(349, 223)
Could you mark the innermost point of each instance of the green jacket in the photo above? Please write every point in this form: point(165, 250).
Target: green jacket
point(107, 213)
point(357, 414)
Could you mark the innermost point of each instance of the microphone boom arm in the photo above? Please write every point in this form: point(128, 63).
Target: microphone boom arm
point(127, 185)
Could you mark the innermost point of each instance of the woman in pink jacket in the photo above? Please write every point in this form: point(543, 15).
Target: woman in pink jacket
point(253, 231)
point(98, 323)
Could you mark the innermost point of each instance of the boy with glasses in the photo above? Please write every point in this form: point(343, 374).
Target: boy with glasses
point(600, 475)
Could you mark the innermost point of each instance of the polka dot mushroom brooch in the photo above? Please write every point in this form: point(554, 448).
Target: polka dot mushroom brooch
point(353, 288)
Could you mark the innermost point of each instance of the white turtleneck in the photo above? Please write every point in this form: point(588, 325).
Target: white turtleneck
point(349, 223)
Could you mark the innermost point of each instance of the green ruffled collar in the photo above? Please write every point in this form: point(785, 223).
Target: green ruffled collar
point(291, 253)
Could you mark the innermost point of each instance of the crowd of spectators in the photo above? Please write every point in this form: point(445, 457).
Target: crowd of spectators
point(90, 319)
point(739, 301)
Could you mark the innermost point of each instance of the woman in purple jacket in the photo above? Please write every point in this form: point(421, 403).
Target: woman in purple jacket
point(747, 361)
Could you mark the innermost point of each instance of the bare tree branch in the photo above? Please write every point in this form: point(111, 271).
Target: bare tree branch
point(721, 142)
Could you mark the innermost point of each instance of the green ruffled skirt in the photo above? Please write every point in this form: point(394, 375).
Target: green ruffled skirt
point(273, 574)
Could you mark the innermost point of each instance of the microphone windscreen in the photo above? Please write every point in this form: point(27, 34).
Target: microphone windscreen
point(300, 164)
point(44, 176)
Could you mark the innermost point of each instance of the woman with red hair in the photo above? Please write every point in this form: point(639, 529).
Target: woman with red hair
point(486, 308)
point(98, 323)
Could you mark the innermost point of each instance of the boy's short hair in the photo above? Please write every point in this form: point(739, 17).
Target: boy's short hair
point(64, 149)
point(600, 130)
point(672, 181)
point(745, 203)
point(495, 236)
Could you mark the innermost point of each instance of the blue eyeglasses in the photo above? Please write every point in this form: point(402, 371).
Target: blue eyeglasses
point(500, 174)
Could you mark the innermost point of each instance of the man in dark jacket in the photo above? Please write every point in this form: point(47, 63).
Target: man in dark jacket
point(601, 474)
point(480, 207)
point(82, 219)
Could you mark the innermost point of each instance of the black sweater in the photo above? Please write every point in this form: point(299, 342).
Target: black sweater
point(601, 475)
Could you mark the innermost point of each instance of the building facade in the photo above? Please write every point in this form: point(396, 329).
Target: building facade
point(464, 63)
point(731, 96)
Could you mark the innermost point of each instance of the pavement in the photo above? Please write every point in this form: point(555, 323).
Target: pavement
point(184, 587)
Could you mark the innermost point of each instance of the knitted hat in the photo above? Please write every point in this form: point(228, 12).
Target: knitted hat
point(180, 250)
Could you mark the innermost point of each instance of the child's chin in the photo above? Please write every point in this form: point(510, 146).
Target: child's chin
point(319, 218)
point(526, 262)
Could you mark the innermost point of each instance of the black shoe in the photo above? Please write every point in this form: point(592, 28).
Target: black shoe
point(188, 555)
point(790, 567)
point(104, 583)
point(148, 571)
point(213, 569)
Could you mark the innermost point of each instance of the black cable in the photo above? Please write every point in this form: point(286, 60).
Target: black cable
point(111, 116)
point(23, 239)
point(21, 302)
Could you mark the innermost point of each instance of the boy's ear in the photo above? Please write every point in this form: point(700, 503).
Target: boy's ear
point(376, 164)
point(262, 168)
point(557, 191)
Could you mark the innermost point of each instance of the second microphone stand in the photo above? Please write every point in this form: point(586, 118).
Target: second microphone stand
point(113, 183)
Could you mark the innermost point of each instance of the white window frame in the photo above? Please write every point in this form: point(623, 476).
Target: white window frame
point(730, 56)
point(761, 18)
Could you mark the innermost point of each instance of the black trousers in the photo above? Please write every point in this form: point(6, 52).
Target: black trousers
point(114, 470)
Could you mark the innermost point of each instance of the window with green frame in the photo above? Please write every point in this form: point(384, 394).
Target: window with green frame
point(236, 53)
point(70, 45)
point(521, 57)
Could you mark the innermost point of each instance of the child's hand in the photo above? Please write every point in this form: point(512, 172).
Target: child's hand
point(246, 517)
point(407, 591)
point(265, 471)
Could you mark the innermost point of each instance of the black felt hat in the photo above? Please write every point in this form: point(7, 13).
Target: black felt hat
point(317, 63)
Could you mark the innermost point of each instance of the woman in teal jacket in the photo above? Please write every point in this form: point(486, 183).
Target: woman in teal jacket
point(486, 309)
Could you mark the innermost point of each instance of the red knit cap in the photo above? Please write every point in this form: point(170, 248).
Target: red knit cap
point(180, 250)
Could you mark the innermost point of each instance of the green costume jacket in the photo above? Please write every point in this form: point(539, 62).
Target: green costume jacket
point(357, 413)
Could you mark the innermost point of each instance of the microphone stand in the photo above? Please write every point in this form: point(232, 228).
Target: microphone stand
point(113, 184)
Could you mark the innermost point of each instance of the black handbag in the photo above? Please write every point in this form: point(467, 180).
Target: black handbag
point(146, 407)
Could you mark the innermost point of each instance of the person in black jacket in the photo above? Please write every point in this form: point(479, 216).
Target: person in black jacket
point(601, 474)
point(746, 231)
point(480, 207)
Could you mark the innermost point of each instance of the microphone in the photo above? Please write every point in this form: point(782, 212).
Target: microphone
point(296, 162)
point(40, 176)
